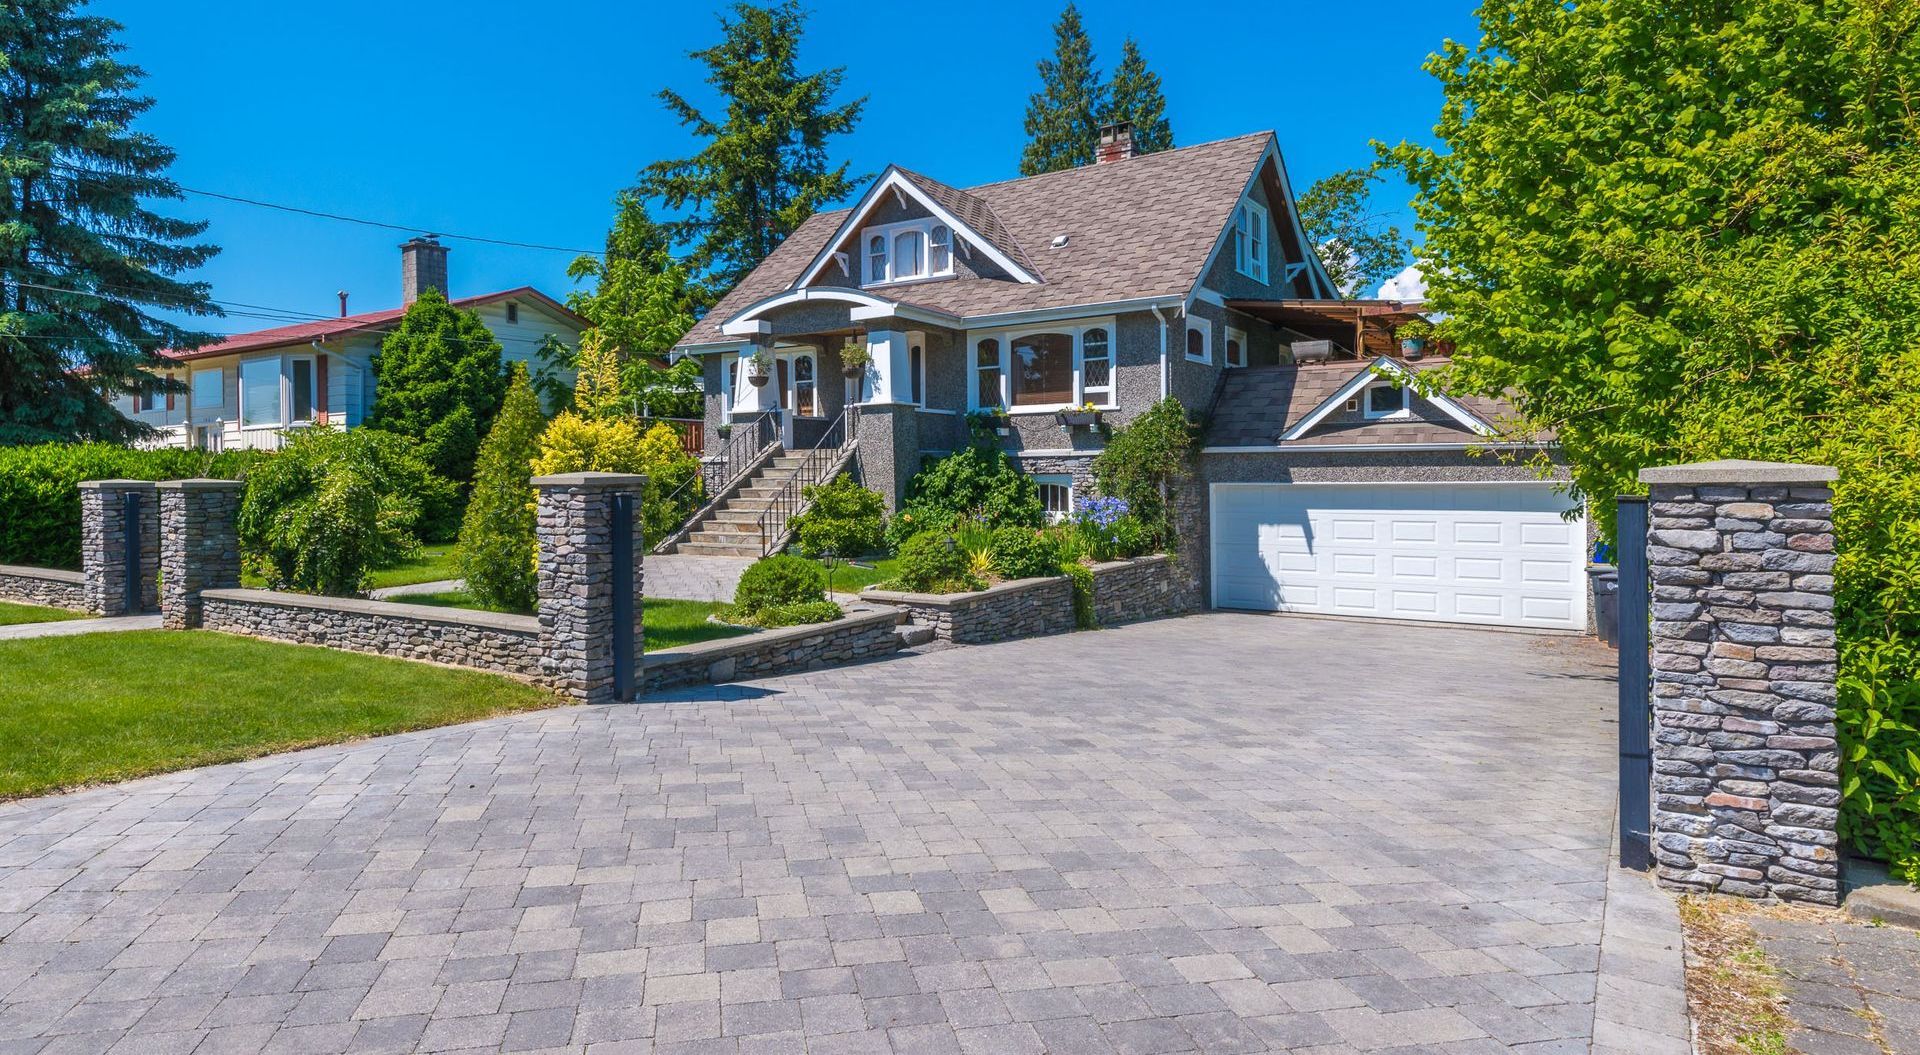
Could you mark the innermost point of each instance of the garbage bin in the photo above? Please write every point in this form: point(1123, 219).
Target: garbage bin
point(1606, 602)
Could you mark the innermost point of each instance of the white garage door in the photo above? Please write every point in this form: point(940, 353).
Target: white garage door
point(1497, 554)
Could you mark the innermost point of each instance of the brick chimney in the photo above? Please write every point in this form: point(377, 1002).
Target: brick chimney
point(423, 265)
point(1116, 143)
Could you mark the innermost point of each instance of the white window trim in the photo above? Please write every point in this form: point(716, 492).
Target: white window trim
point(1235, 335)
point(1245, 260)
point(791, 399)
point(887, 232)
point(1205, 330)
point(1057, 480)
point(1074, 330)
point(241, 392)
point(1366, 402)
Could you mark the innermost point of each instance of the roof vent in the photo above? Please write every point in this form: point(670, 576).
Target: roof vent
point(1059, 241)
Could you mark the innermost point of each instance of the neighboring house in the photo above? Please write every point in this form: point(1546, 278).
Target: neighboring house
point(247, 390)
point(1184, 273)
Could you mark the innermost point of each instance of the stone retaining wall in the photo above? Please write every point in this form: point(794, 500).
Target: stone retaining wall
point(47, 587)
point(1021, 608)
point(1127, 591)
point(504, 644)
point(860, 634)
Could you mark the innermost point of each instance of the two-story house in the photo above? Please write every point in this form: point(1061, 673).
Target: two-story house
point(247, 390)
point(1324, 485)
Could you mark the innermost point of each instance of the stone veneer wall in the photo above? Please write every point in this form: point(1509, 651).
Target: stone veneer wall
point(507, 644)
point(47, 587)
point(199, 546)
point(1151, 587)
point(860, 634)
point(1021, 608)
point(103, 534)
point(1745, 762)
point(572, 529)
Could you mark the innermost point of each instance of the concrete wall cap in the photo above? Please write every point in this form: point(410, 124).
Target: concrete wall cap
point(49, 574)
point(426, 613)
point(116, 485)
point(946, 599)
point(200, 484)
point(605, 481)
point(1738, 471)
point(771, 640)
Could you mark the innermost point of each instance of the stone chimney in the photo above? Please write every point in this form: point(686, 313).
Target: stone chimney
point(1116, 143)
point(423, 265)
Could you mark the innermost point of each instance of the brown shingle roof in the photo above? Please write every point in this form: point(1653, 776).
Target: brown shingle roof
point(1257, 405)
point(1142, 227)
point(977, 215)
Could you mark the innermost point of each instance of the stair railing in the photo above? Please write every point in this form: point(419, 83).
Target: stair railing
point(814, 468)
point(741, 451)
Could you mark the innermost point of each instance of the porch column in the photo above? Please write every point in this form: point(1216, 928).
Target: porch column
point(199, 545)
point(889, 379)
point(104, 531)
point(750, 400)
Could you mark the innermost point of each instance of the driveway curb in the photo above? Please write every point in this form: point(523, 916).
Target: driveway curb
point(1640, 996)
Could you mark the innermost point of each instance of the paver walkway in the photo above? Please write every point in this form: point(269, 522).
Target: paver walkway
point(690, 577)
point(1852, 988)
point(71, 627)
point(1222, 833)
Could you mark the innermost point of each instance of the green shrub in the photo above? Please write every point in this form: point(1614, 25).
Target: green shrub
point(799, 614)
point(845, 518)
point(1146, 463)
point(1108, 530)
point(40, 496)
point(333, 505)
point(575, 444)
point(1024, 553)
point(779, 580)
point(976, 482)
point(496, 551)
point(1083, 613)
point(933, 563)
point(441, 382)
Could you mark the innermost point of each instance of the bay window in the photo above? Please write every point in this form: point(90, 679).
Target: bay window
point(1044, 369)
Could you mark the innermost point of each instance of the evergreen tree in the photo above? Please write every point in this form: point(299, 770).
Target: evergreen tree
point(440, 382)
point(764, 168)
point(1134, 97)
point(1063, 116)
point(496, 551)
point(82, 257)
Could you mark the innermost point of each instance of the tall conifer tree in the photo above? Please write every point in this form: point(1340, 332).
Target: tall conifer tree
point(1134, 97)
point(764, 167)
point(82, 258)
point(1063, 116)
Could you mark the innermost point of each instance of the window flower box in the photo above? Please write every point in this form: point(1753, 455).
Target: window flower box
point(1075, 417)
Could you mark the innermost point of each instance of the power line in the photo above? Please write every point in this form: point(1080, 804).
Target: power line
point(343, 218)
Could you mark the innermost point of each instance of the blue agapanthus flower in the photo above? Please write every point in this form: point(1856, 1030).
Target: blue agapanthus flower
point(1102, 512)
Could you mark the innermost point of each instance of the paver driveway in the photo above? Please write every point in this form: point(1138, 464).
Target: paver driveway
point(1221, 833)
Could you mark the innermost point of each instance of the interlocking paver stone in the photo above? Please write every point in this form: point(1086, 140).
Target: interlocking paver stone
point(1223, 833)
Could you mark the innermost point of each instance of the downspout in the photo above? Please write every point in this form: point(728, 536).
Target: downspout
point(1164, 379)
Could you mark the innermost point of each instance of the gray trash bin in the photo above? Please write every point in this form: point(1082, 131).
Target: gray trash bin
point(1606, 602)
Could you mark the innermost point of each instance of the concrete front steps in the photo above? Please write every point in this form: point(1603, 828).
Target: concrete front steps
point(732, 528)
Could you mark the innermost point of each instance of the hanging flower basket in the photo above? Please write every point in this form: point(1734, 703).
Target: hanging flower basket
point(757, 380)
point(854, 357)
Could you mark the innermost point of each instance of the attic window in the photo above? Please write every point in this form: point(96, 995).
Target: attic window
point(1389, 401)
point(513, 313)
point(1250, 240)
point(910, 249)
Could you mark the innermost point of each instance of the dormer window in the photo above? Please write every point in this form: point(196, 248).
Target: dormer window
point(1388, 401)
point(908, 250)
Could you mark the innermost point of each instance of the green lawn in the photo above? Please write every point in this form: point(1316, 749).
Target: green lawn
point(104, 707)
point(848, 578)
point(11, 613)
point(669, 623)
point(434, 563)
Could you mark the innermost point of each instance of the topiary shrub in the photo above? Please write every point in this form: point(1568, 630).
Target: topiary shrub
point(976, 482)
point(496, 551)
point(441, 381)
point(332, 505)
point(779, 580)
point(40, 490)
point(800, 614)
point(933, 563)
point(1024, 553)
point(845, 518)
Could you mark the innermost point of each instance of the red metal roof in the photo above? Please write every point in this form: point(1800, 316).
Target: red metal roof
point(322, 329)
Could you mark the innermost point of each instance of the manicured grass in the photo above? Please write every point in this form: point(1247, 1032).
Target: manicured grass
point(104, 707)
point(669, 623)
point(849, 578)
point(434, 563)
point(11, 613)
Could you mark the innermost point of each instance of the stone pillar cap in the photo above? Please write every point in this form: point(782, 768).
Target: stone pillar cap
point(115, 485)
point(1738, 471)
point(200, 484)
point(605, 481)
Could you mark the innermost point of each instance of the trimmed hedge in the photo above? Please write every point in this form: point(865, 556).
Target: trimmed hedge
point(40, 496)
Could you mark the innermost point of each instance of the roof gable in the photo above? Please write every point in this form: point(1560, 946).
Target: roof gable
point(969, 218)
point(1390, 369)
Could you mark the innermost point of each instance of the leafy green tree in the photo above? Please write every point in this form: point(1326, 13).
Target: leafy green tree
point(764, 167)
point(665, 392)
point(1684, 230)
point(82, 256)
point(496, 551)
point(1360, 248)
point(642, 298)
point(440, 381)
point(1145, 462)
point(1063, 116)
point(1134, 96)
point(552, 362)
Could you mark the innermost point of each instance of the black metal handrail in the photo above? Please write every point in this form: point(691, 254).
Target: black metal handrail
point(746, 441)
point(813, 469)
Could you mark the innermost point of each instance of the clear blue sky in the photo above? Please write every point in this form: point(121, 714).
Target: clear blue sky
point(520, 121)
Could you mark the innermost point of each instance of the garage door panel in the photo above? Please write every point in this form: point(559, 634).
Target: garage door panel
point(1495, 554)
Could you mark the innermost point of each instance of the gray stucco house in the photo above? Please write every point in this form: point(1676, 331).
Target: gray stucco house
point(1325, 487)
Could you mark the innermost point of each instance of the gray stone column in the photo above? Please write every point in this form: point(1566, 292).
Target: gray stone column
point(103, 534)
point(887, 448)
point(1745, 762)
point(576, 588)
point(199, 545)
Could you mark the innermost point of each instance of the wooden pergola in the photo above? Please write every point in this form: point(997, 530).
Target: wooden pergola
point(1362, 328)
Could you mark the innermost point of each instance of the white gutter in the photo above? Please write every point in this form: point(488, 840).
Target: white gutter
point(1308, 448)
point(1162, 320)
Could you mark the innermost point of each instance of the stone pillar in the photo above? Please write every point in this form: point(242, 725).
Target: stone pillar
point(103, 534)
point(576, 587)
point(199, 545)
point(1745, 762)
point(887, 449)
